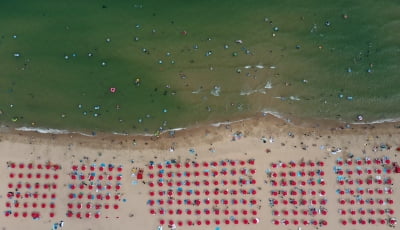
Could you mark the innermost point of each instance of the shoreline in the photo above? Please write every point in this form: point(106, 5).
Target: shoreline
point(266, 122)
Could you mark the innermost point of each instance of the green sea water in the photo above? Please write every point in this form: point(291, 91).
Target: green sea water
point(179, 63)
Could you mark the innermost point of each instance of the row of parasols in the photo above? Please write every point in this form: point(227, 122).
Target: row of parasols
point(359, 171)
point(370, 201)
point(30, 205)
point(205, 164)
point(363, 211)
point(213, 173)
point(46, 176)
point(35, 195)
point(362, 191)
point(299, 202)
point(92, 176)
point(31, 166)
point(35, 214)
point(273, 202)
point(36, 185)
point(383, 221)
point(292, 164)
point(81, 215)
point(369, 181)
point(298, 222)
point(368, 161)
point(170, 183)
point(301, 192)
point(306, 212)
point(95, 206)
point(208, 222)
point(102, 167)
point(300, 173)
point(205, 211)
point(97, 196)
point(90, 205)
point(310, 181)
point(83, 186)
point(206, 192)
point(198, 202)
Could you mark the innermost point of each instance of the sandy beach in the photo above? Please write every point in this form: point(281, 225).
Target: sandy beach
point(256, 153)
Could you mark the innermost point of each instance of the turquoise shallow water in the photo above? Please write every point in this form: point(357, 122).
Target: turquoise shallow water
point(331, 60)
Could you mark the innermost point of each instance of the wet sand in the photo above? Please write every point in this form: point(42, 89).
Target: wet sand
point(266, 139)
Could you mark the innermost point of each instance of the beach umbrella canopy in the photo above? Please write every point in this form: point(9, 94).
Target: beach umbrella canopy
point(344, 222)
point(69, 214)
point(313, 202)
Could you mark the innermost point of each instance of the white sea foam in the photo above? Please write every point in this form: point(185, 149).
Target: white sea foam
point(43, 130)
point(121, 134)
point(49, 131)
point(294, 98)
point(387, 120)
point(274, 113)
point(228, 122)
point(252, 91)
point(175, 129)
